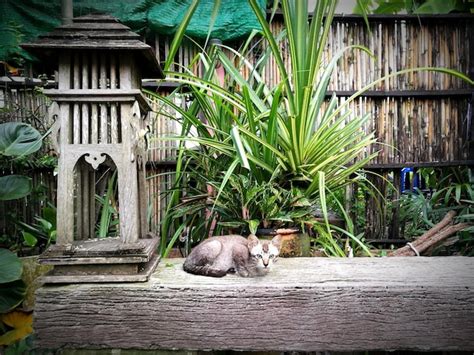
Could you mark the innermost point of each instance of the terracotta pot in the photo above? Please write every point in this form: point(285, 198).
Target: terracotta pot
point(294, 242)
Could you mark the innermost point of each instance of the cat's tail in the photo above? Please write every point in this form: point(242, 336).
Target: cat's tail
point(204, 270)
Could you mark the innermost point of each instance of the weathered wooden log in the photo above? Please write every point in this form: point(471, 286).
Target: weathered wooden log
point(304, 304)
point(442, 235)
point(432, 237)
point(447, 219)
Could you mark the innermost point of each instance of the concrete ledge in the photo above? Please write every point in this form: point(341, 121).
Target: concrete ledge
point(304, 304)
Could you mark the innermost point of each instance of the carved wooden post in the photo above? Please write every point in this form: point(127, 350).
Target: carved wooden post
point(100, 113)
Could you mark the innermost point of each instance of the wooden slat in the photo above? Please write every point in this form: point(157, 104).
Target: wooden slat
point(93, 26)
point(128, 181)
point(100, 95)
point(303, 304)
point(103, 124)
point(113, 108)
point(103, 132)
point(94, 17)
point(89, 43)
point(102, 276)
point(85, 124)
point(94, 123)
point(64, 72)
point(91, 251)
point(76, 120)
point(85, 201)
point(113, 72)
point(76, 113)
point(92, 203)
point(114, 127)
point(97, 34)
point(65, 199)
point(94, 107)
point(125, 63)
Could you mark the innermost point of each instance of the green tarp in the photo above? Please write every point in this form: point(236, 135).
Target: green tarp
point(23, 20)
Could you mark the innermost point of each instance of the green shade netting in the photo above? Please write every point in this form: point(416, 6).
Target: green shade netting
point(24, 20)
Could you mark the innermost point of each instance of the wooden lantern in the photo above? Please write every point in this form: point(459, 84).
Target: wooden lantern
point(101, 120)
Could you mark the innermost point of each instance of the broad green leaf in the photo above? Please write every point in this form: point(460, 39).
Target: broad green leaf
point(13, 187)
point(392, 7)
point(180, 34)
point(437, 7)
point(253, 225)
point(11, 295)
point(49, 214)
point(18, 139)
point(45, 224)
point(29, 239)
point(10, 266)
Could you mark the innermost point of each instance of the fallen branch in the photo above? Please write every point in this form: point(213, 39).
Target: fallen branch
point(432, 237)
point(441, 236)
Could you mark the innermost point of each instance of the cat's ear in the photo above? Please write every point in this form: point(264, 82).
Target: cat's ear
point(252, 241)
point(276, 241)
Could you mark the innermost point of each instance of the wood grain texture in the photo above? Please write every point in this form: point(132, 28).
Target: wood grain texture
point(304, 304)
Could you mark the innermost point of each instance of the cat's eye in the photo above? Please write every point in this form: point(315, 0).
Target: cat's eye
point(259, 256)
point(272, 256)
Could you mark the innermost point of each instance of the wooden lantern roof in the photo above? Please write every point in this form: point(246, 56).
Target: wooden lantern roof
point(96, 32)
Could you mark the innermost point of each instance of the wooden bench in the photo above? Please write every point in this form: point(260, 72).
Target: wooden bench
point(304, 304)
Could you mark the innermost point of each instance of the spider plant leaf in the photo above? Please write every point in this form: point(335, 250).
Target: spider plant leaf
point(241, 154)
point(261, 17)
point(173, 239)
point(458, 193)
point(178, 37)
point(230, 68)
point(225, 179)
point(271, 133)
point(215, 11)
point(322, 199)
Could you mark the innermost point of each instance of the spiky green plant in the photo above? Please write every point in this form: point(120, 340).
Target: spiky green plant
point(247, 128)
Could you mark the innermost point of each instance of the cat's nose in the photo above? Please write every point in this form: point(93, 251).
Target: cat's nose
point(265, 263)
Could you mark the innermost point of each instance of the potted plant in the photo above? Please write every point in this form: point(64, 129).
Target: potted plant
point(288, 134)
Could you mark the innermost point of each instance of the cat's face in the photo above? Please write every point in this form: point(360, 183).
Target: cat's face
point(264, 252)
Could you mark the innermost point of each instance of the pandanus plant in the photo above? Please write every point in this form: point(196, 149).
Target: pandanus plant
point(288, 134)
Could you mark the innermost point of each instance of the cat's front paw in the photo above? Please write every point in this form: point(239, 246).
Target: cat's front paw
point(243, 273)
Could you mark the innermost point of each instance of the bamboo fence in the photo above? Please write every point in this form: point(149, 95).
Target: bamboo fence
point(22, 103)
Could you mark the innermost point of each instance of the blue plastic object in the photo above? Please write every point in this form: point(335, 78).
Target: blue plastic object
point(407, 175)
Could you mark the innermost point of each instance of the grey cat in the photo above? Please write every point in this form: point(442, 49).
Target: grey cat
point(218, 256)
